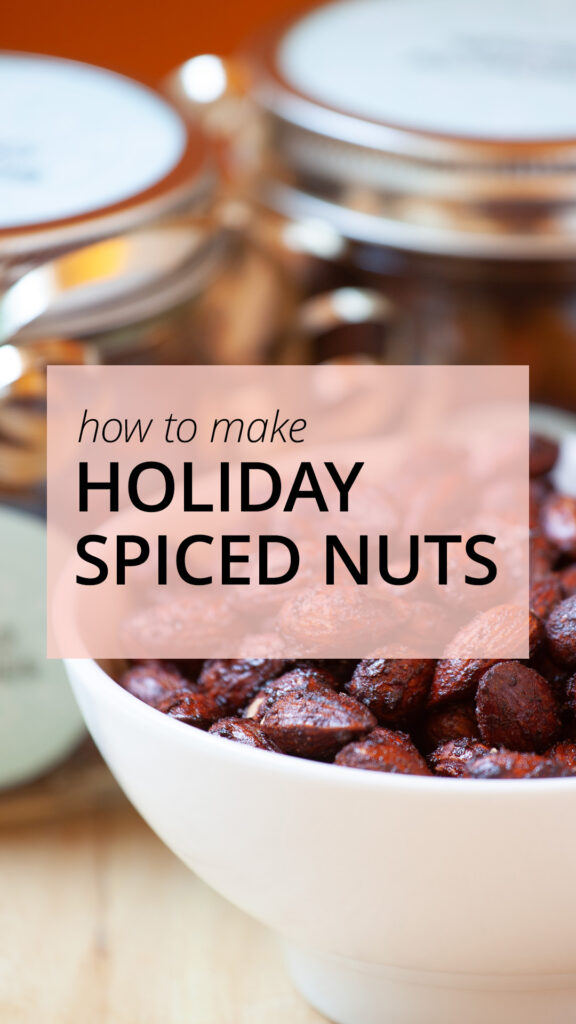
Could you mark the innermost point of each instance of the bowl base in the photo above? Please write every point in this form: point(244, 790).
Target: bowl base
point(353, 992)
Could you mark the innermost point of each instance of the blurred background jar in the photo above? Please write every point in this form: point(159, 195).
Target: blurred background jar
point(421, 150)
point(113, 248)
point(117, 243)
point(103, 171)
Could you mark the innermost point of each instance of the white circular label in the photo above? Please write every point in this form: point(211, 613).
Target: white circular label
point(499, 69)
point(75, 139)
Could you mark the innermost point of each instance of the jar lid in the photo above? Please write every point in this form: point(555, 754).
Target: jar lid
point(86, 153)
point(433, 125)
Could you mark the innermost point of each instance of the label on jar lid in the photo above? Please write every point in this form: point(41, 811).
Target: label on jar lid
point(493, 69)
point(75, 139)
point(39, 720)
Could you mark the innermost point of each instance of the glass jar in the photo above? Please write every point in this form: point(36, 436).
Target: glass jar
point(115, 244)
point(110, 197)
point(424, 150)
point(113, 248)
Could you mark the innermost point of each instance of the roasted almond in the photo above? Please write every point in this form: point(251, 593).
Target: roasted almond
point(457, 721)
point(190, 708)
point(384, 751)
point(394, 689)
point(456, 679)
point(315, 616)
point(510, 764)
point(543, 555)
point(451, 758)
point(316, 725)
point(231, 684)
point(561, 632)
point(241, 731)
point(303, 679)
point(153, 681)
point(545, 593)
point(516, 708)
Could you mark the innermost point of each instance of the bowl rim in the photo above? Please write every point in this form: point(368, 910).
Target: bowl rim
point(94, 677)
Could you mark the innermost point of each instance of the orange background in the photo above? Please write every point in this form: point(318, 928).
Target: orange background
point(143, 38)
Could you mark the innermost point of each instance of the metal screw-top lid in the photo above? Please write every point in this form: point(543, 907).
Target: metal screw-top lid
point(433, 125)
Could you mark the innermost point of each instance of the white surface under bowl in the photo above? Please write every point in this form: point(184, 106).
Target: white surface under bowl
point(401, 899)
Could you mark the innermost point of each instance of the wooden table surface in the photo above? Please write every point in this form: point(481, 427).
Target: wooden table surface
point(101, 924)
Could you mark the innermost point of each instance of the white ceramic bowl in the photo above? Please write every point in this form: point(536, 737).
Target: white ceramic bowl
point(401, 900)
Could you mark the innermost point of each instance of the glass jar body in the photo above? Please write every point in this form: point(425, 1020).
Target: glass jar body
point(446, 309)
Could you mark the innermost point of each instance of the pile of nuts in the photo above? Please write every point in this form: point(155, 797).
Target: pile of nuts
point(481, 719)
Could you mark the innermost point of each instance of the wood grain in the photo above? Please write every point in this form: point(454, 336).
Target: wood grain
point(82, 783)
point(101, 924)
